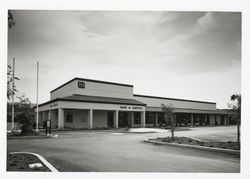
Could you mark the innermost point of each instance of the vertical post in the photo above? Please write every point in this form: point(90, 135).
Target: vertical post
point(44, 118)
point(192, 119)
point(143, 118)
point(132, 118)
point(116, 119)
point(13, 95)
point(226, 120)
point(37, 79)
point(90, 122)
point(49, 115)
point(156, 118)
point(48, 123)
point(60, 118)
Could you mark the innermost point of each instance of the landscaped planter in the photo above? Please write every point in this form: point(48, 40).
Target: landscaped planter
point(227, 147)
point(22, 162)
point(25, 161)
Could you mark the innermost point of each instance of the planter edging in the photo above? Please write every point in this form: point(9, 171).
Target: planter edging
point(32, 137)
point(45, 162)
point(214, 149)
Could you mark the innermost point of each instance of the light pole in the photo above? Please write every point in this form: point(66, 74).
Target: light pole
point(37, 86)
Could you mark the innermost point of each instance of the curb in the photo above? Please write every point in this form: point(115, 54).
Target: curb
point(32, 137)
point(45, 162)
point(213, 149)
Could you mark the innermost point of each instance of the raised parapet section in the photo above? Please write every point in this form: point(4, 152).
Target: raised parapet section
point(90, 87)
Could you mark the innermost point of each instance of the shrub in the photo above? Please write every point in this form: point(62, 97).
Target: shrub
point(26, 123)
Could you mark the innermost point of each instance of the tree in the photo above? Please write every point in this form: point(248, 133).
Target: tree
point(25, 119)
point(235, 106)
point(25, 115)
point(10, 91)
point(24, 102)
point(169, 117)
point(11, 20)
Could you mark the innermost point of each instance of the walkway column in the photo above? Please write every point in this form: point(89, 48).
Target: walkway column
point(192, 119)
point(156, 118)
point(116, 122)
point(60, 118)
point(226, 119)
point(49, 115)
point(42, 118)
point(132, 119)
point(90, 119)
point(143, 114)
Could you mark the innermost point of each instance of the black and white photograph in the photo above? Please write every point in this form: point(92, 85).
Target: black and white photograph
point(124, 91)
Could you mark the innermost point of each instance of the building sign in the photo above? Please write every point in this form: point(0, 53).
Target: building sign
point(81, 84)
point(131, 107)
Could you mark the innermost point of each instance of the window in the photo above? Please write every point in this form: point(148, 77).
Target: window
point(150, 118)
point(161, 118)
point(69, 117)
point(137, 118)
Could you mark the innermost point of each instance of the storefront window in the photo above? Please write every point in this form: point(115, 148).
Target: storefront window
point(137, 118)
point(69, 117)
point(150, 117)
point(161, 119)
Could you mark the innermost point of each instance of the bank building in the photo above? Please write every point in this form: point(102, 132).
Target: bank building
point(90, 104)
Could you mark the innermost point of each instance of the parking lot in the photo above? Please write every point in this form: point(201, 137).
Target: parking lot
point(108, 151)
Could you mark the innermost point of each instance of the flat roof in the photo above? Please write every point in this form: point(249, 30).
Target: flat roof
point(96, 99)
point(187, 110)
point(176, 99)
point(91, 80)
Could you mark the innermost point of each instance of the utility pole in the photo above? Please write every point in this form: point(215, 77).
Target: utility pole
point(13, 95)
point(37, 86)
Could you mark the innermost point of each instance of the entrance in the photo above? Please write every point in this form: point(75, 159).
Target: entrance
point(110, 119)
point(123, 119)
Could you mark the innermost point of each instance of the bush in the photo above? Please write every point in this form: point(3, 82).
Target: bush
point(26, 123)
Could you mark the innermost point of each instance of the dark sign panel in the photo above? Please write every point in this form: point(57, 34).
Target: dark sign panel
point(81, 84)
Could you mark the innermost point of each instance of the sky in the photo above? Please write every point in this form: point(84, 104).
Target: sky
point(187, 55)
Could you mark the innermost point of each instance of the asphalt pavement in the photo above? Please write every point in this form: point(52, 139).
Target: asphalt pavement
point(108, 151)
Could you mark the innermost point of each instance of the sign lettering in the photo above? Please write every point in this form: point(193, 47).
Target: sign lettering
point(81, 84)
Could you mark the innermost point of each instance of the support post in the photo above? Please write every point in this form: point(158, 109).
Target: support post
point(49, 114)
point(90, 120)
point(116, 122)
point(192, 119)
point(37, 86)
point(60, 118)
point(42, 113)
point(205, 119)
point(226, 120)
point(156, 118)
point(143, 114)
point(132, 119)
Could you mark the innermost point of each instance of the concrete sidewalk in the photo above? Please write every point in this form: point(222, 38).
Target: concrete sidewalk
point(147, 130)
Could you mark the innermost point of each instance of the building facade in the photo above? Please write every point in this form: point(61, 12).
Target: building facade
point(86, 104)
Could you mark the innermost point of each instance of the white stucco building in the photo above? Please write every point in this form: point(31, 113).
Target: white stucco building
point(84, 103)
